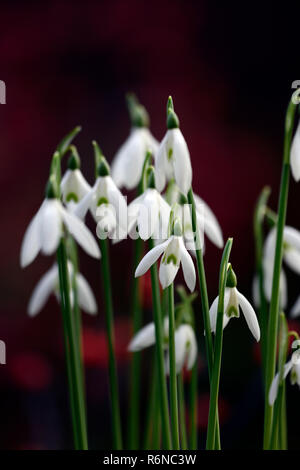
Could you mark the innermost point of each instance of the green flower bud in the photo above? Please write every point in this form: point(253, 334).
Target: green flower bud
point(74, 159)
point(231, 277)
point(138, 113)
point(51, 188)
point(172, 118)
point(101, 166)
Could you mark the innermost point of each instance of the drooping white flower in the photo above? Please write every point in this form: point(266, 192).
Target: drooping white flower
point(145, 337)
point(291, 256)
point(172, 159)
point(128, 163)
point(295, 154)
point(233, 301)
point(185, 349)
point(149, 213)
point(106, 204)
point(46, 229)
point(174, 252)
point(73, 184)
point(185, 344)
point(49, 283)
point(207, 222)
point(294, 370)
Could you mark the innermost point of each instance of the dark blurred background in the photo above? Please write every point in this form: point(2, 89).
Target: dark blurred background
point(229, 69)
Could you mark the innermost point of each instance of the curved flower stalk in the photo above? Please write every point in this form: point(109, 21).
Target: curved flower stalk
point(185, 344)
point(174, 252)
point(172, 159)
point(106, 204)
point(128, 163)
point(47, 227)
point(149, 214)
point(295, 154)
point(73, 184)
point(233, 301)
point(207, 222)
point(49, 283)
point(291, 256)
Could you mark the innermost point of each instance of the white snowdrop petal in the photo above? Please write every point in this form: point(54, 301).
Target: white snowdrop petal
point(193, 349)
point(42, 291)
point(292, 237)
point(213, 232)
point(250, 315)
point(50, 226)
point(116, 198)
point(181, 162)
point(160, 157)
point(86, 298)
point(214, 310)
point(150, 258)
point(31, 242)
point(167, 273)
point(180, 347)
point(143, 338)
point(81, 234)
point(188, 267)
point(203, 207)
point(295, 312)
point(83, 206)
point(148, 217)
point(274, 385)
point(295, 154)
point(292, 259)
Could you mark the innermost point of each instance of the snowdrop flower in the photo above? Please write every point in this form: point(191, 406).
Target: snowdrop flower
point(46, 229)
point(49, 283)
point(145, 337)
point(233, 299)
point(174, 252)
point(73, 184)
point(294, 370)
point(291, 256)
point(185, 349)
point(128, 163)
point(149, 213)
point(172, 159)
point(185, 344)
point(106, 204)
point(295, 154)
point(206, 220)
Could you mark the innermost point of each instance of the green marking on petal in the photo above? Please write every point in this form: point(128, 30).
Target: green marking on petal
point(72, 197)
point(102, 200)
point(170, 153)
point(232, 312)
point(172, 259)
point(293, 376)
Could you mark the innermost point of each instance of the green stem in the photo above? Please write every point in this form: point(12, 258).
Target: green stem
point(259, 215)
point(274, 304)
point(193, 408)
point(183, 434)
point(113, 380)
point(173, 374)
point(160, 355)
point(283, 421)
point(76, 309)
point(135, 369)
point(73, 357)
point(215, 380)
point(151, 408)
point(204, 297)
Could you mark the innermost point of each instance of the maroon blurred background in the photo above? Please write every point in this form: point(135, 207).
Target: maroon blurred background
point(229, 70)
